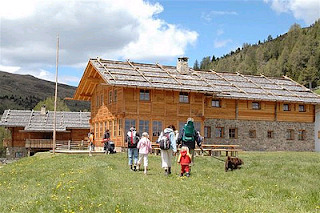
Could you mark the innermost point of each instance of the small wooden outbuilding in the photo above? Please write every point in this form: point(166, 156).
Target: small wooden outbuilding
point(32, 131)
point(256, 112)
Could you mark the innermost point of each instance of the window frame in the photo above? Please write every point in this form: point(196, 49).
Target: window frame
point(286, 107)
point(252, 133)
point(219, 134)
point(302, 135)
point(290, 134)
point(144, 95)
point(214, 103)
point(303, 106)
point(235, 133)
point(256, 105)
point(270, 134)
point(184, 97)
point(144, 126)
point(156, 128)
point(207, 132)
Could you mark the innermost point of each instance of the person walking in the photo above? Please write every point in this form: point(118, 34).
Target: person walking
point(184, 159)
point(188, 137)
point(144, 147)
point(106, 138)
point(90, 143)
point(132, 139)
point(167, 136)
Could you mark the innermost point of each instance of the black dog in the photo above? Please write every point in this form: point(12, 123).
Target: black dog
point(232, 163)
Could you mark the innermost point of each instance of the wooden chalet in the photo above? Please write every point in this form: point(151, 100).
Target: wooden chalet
point(256, 112)
point(32, 131)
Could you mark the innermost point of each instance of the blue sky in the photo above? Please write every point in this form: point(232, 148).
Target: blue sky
point(142, 31)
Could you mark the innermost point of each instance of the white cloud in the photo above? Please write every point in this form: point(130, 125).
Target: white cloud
point(209, 16)
point(220, 32)
point(307, 10)
point(11, 69)
point(221, 43)
point(106, 28)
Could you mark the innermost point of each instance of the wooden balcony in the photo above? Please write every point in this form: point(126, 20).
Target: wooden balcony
point(60, 144)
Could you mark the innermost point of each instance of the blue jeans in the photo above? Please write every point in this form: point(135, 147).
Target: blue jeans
point(133, 153)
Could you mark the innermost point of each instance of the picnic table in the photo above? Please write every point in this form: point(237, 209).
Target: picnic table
point(216, 149)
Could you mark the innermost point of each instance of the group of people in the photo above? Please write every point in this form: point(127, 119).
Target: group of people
point(169, 139)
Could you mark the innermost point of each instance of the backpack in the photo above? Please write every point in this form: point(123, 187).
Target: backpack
point(189, 131)
point(132, 139)
point(164, 141)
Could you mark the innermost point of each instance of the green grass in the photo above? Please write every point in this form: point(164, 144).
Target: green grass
point(268, 182)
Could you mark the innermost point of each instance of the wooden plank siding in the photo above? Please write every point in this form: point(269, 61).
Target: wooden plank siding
point(110, 112)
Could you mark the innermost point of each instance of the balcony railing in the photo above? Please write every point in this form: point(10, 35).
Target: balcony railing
point(60, 144)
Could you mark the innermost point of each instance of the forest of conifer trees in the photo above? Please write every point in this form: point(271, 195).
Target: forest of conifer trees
point(295, 54)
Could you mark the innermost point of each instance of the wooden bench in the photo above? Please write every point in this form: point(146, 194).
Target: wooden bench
point(203, 152)
point(233, 152)
point(156, 150)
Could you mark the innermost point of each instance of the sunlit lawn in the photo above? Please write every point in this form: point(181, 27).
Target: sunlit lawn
point(268, 182)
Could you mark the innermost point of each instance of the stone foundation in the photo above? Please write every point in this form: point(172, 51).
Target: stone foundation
point(261, 142)
point(16, 152)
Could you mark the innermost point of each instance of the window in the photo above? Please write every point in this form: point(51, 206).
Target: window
point(101, 130)
point(302, 135)
point(207, 132)
point(215, 103)
point(156, 128)
point(286, 107)
point(129, 123)
point(110, 97)
point(270, 134)
point(290, 134)
point(102, 101)
point(114, 128)
point(18, 154)
point(110, 127)
point(233, 133)
point(119, 127)
point(219, 132)
point(144, 95)
point(302, 108)
point(184, 97)
point(256, 105)
point(115, 96)
point(252, 134)
point(143, 126)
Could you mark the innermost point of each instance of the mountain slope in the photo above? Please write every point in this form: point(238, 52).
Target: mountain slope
point(25, 91)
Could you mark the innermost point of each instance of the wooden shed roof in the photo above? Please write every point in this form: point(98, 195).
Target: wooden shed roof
point(34, 121)
point(218, 84)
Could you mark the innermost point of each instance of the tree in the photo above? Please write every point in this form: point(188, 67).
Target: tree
point(196, 65)
point(49, 103)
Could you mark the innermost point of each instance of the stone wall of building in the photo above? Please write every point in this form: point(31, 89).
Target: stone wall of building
point(261, 141)
point(16, 152)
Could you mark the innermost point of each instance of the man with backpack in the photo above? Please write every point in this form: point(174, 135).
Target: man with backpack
point(189, 136)
point(132, 139)
point(167, 144)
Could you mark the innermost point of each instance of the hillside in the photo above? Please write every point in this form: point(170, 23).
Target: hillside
point(295, 54)
point(25, 91)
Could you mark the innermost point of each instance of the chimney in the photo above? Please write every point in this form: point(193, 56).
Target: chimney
point(182, 65)
point(43, 110)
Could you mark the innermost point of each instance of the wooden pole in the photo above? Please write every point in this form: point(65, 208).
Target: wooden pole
point(55, 100)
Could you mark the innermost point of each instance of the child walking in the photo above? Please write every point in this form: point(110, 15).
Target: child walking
point(144, 146)
point(184, 159)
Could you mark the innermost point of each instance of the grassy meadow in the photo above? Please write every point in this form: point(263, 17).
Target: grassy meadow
point(268, 182)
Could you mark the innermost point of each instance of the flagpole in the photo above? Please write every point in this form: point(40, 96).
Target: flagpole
point(55, 100)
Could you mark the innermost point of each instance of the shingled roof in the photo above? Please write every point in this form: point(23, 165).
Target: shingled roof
point(34, 121)
point(219, 84)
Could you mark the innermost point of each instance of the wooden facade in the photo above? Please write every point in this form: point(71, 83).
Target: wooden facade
point(151, 97)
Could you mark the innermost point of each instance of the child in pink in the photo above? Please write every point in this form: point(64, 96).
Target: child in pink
point(184, 159)
point(144, 146)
